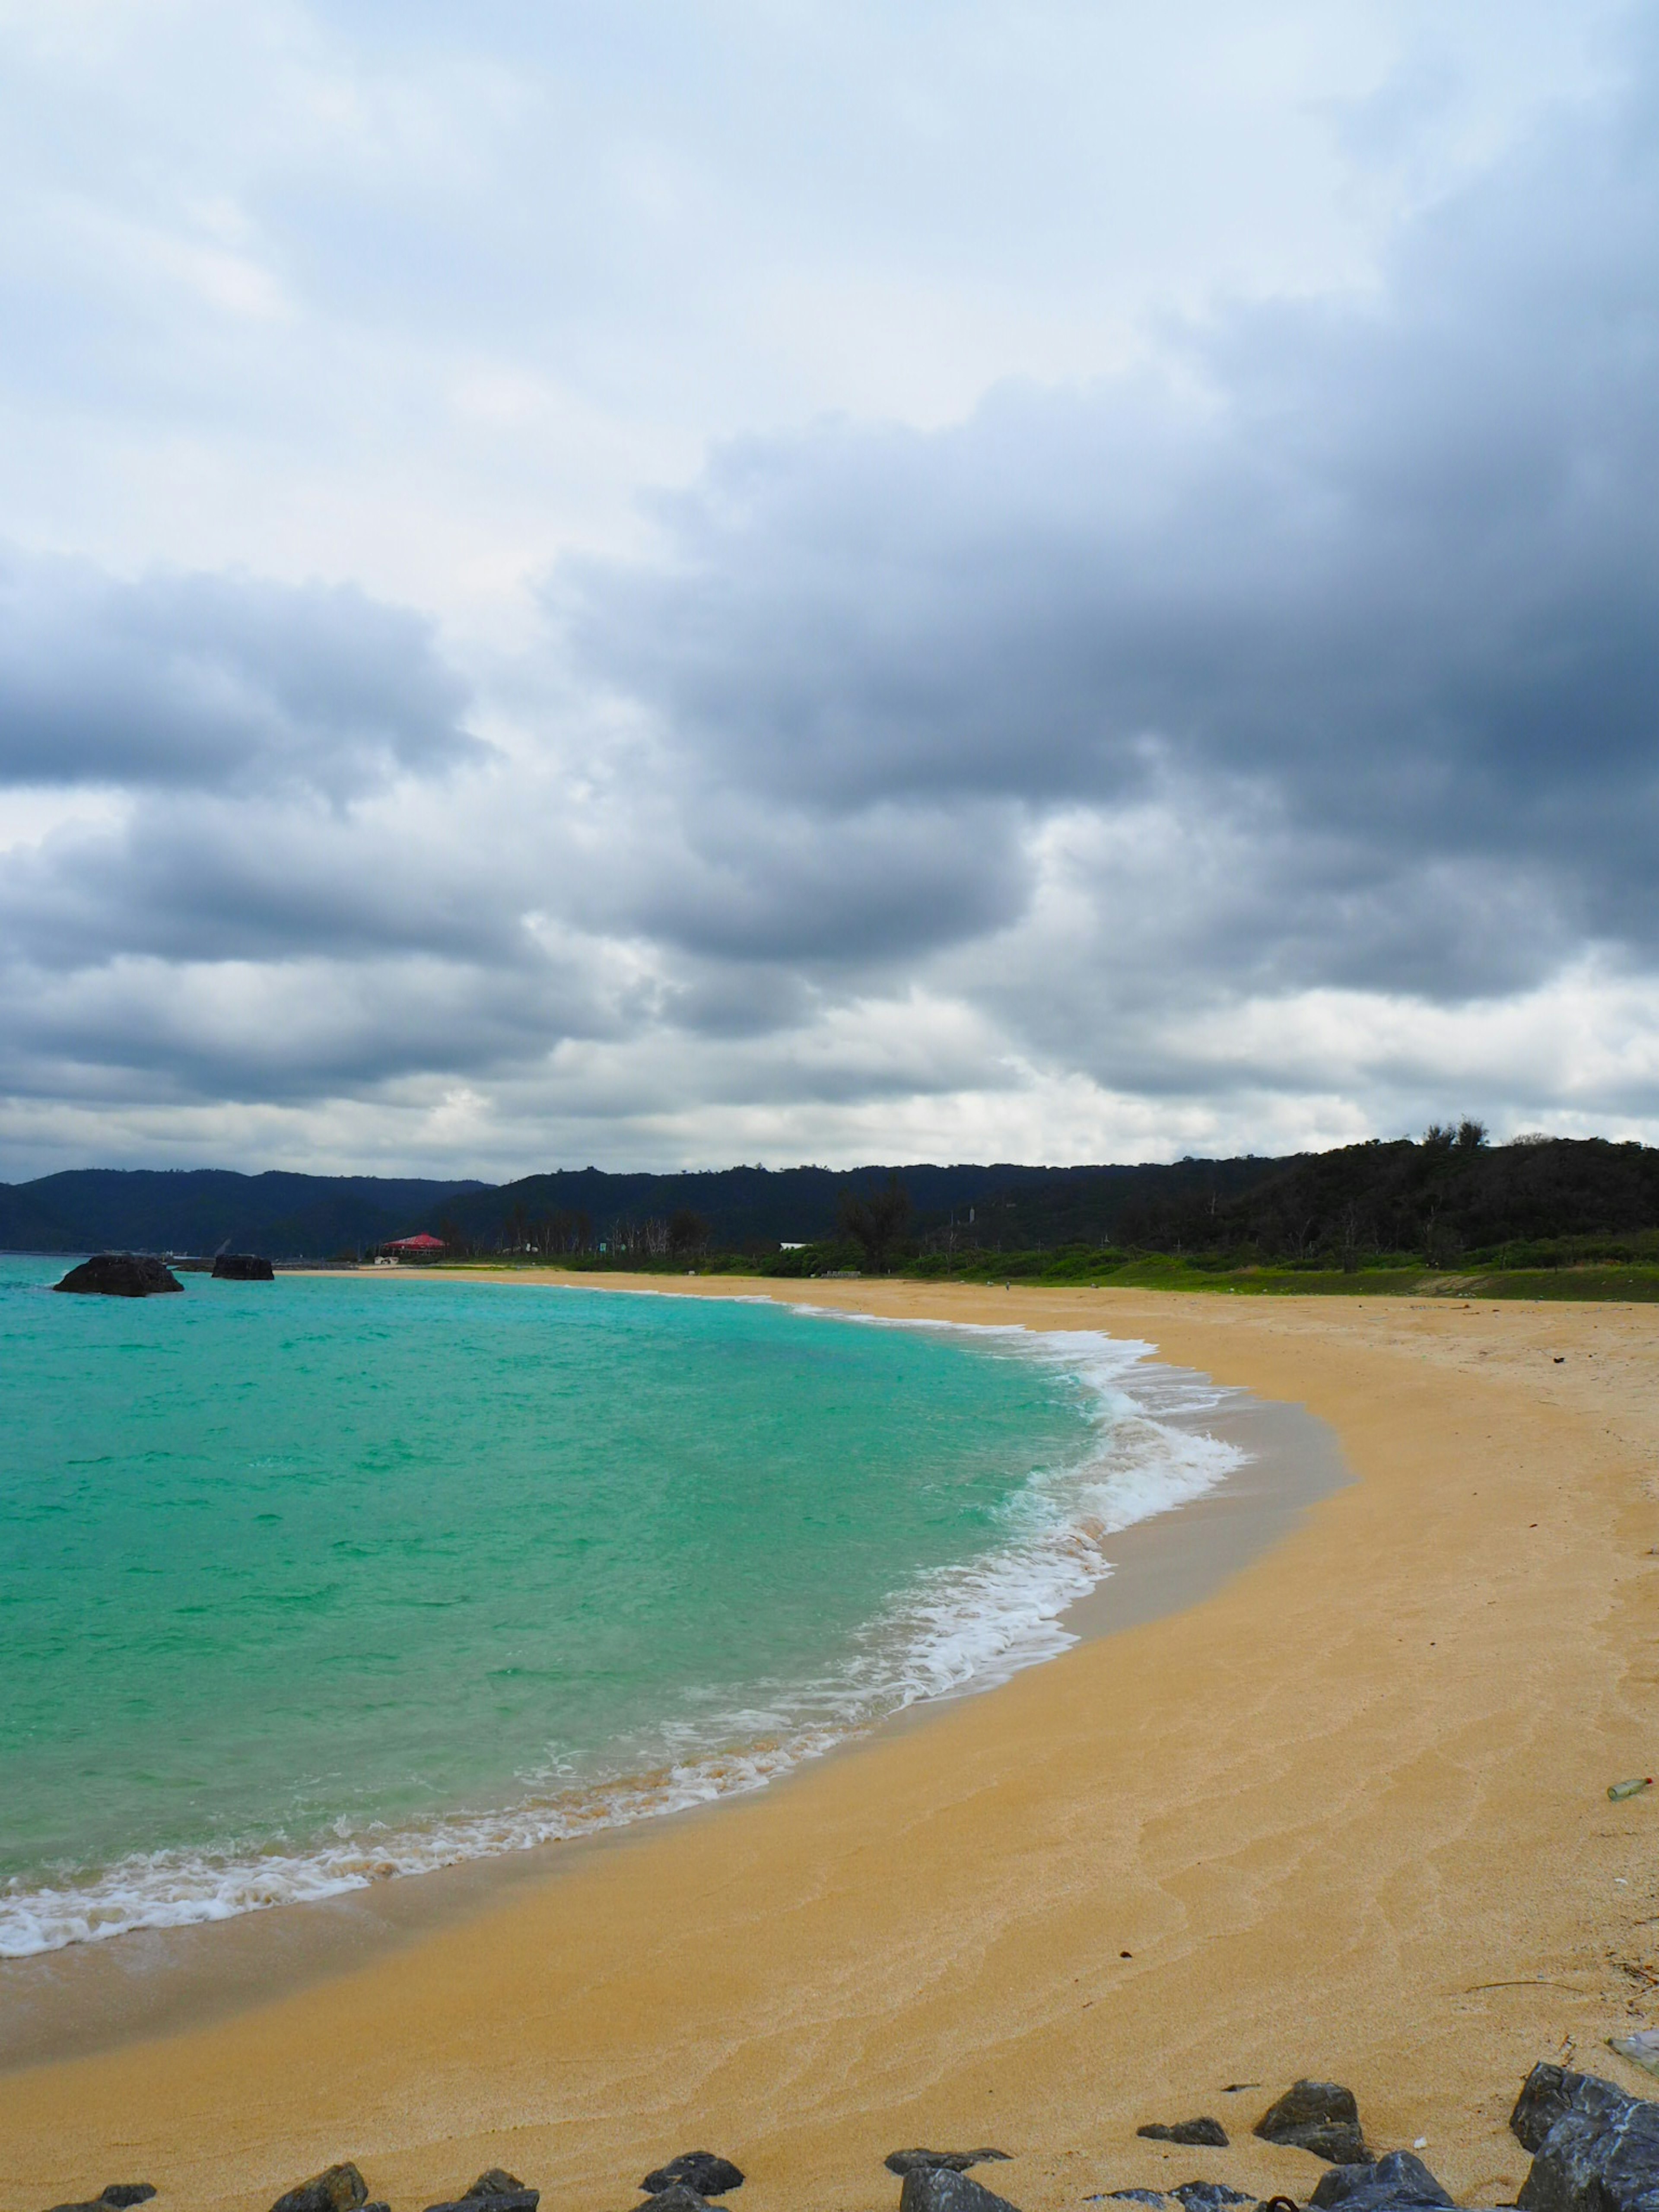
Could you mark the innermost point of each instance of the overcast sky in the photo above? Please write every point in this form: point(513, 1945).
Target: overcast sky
point(584, 580)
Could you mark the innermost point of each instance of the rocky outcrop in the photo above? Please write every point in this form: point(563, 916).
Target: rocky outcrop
point(1208, 2195)
point(1321, 2116)
point(1595, 2149)
point(697, 2170)
point(947, 2189)
point(336, 2189)
point(242, 1267)
point(906, 2161)
point(1209, 2132)
point(120, 1275)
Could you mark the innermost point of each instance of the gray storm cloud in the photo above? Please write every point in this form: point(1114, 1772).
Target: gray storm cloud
point(1388, 568)
point(224, 683)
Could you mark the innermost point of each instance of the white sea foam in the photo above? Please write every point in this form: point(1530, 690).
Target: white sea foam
point(956, 1628)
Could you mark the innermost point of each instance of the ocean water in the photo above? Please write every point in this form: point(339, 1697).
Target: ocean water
point(310, 1584)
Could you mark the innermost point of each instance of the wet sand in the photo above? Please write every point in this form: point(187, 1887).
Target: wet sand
point(1345, 1815)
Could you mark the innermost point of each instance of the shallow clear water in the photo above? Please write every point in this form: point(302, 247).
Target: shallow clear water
point(306, 1582)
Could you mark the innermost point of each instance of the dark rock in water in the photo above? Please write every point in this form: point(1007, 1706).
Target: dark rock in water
point(1398, 2179)
point(1208, 2195)
point(245, 1267)
point(947, 2189)
point(1595, 2149)
point(1321, 2116)
point(906, 2161)
point(1187, 2131)
point(120, 1275)
point(336, 2189)
point(696, 2169)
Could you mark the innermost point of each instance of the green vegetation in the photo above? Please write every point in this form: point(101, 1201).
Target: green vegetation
point(1449, 1217)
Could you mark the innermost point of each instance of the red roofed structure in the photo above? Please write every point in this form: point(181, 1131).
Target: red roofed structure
point(421, 1245)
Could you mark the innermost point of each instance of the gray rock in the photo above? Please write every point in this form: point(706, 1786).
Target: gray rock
point(120, 1275)
point(947, 2189)
point(506, 2200)
point(1129, 2197)
point(336, 2189)
point(696, 2169)
point(1321, 2116)
point(677, 2197)
point(1595, 2149)
point(1208, 2195)
point(495, 2189)
point(1550, 2092)
point(116, 2197)
point(1399, 2180)
point(1187, 2131)
point(906, 2161)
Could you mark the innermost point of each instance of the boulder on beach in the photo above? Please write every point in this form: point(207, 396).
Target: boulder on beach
point(336, 2189)
point(1209, 2196)
point(495, 2189)
point(947, 2189)
point(1399, 2180)
point(114, 2196)
point(1203, 2131)
point(1595, 2149)
point(120, 1275)
point(699, 2170)
point(242, 1267)
point(906, 2161)
point(1321, 2116)
point(679, 2196)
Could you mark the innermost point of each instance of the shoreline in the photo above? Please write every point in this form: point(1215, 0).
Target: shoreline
point(1346, 1816)
point(84, 1999)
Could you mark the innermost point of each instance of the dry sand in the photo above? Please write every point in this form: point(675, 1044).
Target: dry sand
point(1346, 1816)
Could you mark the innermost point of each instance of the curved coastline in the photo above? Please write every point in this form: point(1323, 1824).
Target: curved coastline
point(1346, 1815)
point(82, 1998)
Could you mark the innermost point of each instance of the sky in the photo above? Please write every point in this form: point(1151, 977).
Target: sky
point(761, 581)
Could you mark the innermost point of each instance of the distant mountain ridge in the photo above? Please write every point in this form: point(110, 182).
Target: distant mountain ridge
point(1438, 1197)
point(206, 1209)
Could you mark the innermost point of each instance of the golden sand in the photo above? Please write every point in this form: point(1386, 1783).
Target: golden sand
point(1346, 1817)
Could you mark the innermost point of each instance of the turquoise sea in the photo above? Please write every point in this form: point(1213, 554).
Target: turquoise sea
point(307, 1584)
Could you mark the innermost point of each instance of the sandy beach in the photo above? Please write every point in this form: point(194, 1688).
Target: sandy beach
point(1345, 1816)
